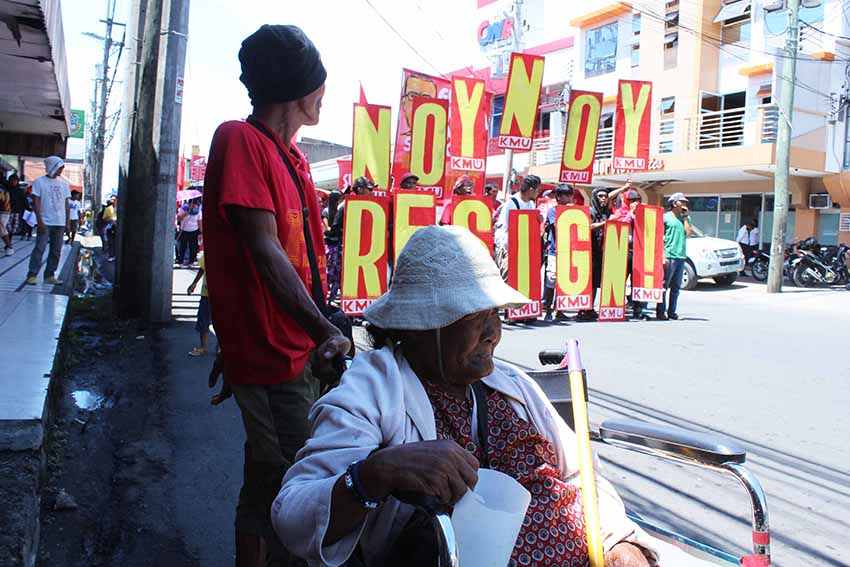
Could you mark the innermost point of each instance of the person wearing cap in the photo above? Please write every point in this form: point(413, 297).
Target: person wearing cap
point(563, 196)
point(401, 420)
point(362, 186)
point(462, 188)
point(408, 181)
point(50, 196)
point(526, 200)
point(677, 229)
point(265, 264)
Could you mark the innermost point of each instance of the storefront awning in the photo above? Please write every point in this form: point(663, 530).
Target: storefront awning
point(732, 10)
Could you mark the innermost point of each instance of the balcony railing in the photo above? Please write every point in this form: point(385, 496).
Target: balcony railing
point(708, 130)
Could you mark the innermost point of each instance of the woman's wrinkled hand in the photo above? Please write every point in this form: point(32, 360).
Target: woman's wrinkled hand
point(625, 555)
point(441, 468)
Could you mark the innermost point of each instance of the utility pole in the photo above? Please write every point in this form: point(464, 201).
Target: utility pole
point(783, 151)
point(100, 133)
point(147, 206)
point(519, 17)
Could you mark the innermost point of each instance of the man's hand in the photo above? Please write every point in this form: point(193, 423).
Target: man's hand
point(326, 357)
point(625, 555)
point(42, 228)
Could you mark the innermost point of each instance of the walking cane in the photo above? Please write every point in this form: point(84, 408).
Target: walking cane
point(585, 456)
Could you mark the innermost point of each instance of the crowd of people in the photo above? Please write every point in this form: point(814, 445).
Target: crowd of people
point(319, 483)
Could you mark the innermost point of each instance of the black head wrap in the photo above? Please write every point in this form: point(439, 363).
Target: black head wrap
point(280, 64)
point(598, 211)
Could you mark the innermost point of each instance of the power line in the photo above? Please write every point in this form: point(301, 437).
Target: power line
point(404, 39)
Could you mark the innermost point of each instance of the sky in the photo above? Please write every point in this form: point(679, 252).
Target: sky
point(356, 45)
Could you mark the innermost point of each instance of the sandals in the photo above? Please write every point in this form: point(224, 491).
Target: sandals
point(198, 351)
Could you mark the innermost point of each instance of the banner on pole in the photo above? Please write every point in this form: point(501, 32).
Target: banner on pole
point(468, 121)
point(364, 261)
point(77, 124)
point(413, 210)
point(428, 143)
point(648, 256)
point(476, 215)
point(522, 100)
point(413, 85)
point(632, 125)
point(615, 261)
point(344, 167)
point(370, 148)
point(524, 261)
point(580, 137)
point(574, 265)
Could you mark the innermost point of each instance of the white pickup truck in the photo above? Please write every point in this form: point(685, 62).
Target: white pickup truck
point(710, 257)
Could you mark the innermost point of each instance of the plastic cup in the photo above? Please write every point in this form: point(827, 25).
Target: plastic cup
point(487, 521)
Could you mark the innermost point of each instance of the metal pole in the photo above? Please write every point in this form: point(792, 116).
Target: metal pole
point(783, 152)
point(165, 197)
point(506, 179)
point(100, 134)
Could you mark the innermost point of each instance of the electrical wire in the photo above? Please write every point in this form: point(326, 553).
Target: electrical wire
point(404, 39)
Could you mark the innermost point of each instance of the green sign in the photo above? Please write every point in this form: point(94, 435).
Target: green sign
point(78, 124)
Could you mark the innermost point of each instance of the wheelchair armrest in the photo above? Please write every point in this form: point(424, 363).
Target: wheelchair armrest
point(671, 442)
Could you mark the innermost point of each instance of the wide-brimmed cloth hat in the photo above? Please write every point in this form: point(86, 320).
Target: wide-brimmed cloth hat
point(442, 275)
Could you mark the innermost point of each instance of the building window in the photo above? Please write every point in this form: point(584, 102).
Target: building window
point(737, 30)
point(666, 125)
point(498, 110)
point(605, 138)
point(635, 55)
point(600, 50)
point(671, 34)
point(636, 24)
point(665, 147)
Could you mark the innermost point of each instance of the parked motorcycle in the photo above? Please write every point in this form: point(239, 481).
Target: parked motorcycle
point(813, 269)
point(758, 263)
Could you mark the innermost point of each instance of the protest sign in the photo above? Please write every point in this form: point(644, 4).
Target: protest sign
point(648, 257)
point(370, 148)
point(524, 261)
point(428, 142)
point(364, 259)
point(413, 210)
point(615, 260)
point(580, 137)
point(573, 281)
point(632, 125)
point(522, 99)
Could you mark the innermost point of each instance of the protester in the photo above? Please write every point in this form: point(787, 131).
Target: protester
point(400, 422)
point(462, 188)
point(748, 238)
point(50, 200)
point(189, 219)
point(361, 187)
point(18, 198)
point(5, 219)
point(263, 255)
point(491, 191)
point(563, 196)
point(408, 181)
point(203, 320)
point(109, 222)
point(75, 215)
point(333, 244)
point(626, 213)
point(526, 200)
point(677, 228)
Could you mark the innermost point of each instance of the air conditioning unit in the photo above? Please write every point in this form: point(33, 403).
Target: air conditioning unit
point(820, 201)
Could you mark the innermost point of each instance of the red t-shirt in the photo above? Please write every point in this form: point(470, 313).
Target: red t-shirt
point(260, 342)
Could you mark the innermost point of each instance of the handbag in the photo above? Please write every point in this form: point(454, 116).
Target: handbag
point(333, 314)
point(30, 218)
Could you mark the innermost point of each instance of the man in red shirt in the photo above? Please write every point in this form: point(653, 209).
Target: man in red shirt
point(263, 241)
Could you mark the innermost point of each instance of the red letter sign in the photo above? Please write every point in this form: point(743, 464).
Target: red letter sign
point(632, 125)
point(413, 210)
point(615, 261)
point(574, 284)
point(470, 107)
point(580, 137)
point(370, 150)
point(428, 142)
point(364, 259)
point(521, 102)
point(647, 262)
point(465, 210)
point(524, 261)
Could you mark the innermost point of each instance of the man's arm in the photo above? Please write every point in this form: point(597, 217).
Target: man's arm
point(67, 213)
point(257, 230)
point(687, 224)
point(36, 207)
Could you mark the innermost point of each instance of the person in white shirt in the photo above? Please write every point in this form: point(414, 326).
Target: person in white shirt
point(748, 238)
point(75, 215)
point(525, 200)
point(50, 196)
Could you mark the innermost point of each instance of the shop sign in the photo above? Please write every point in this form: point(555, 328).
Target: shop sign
point(495, 34)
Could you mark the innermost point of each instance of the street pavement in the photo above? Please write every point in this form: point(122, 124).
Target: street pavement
point(770, 372)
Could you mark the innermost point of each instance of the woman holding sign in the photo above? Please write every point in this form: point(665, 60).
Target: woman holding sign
point(403, 416)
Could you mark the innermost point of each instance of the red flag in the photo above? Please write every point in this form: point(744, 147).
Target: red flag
point(362, 95)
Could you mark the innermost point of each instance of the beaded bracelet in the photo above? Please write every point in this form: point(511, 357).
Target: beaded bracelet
point(352, 483)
